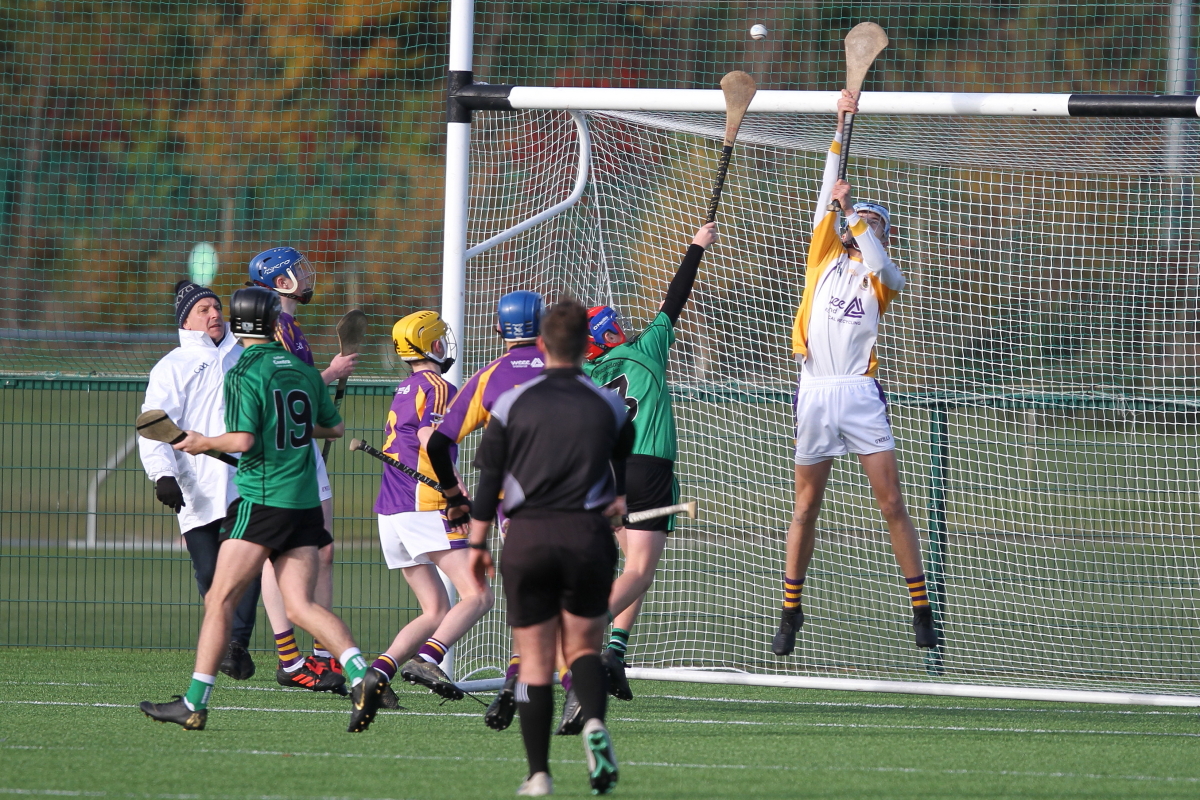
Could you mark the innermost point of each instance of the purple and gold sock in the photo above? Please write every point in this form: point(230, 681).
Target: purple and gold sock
point(319, 650)
point(433, 651)
point(286, 649)
point(514, 666)
point(565, 679)
point(792, 589)
point(386, 665)
point(917, 592)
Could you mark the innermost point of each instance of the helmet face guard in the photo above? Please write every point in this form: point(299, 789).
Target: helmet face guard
point(876, 208)
point(285, 262)
point(602, 320)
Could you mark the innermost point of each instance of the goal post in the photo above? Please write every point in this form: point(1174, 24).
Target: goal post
point(1041, 369)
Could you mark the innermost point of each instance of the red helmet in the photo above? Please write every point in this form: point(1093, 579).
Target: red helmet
point(602, 320)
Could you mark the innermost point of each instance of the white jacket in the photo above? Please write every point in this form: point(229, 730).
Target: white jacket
point(189, 384)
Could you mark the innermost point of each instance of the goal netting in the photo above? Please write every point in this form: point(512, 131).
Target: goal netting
point(1042, 367)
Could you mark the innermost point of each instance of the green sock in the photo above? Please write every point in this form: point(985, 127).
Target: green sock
point(198, 693)
point(619, 641)
point(355, 665)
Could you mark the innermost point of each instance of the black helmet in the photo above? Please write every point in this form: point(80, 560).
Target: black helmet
point(253, 312)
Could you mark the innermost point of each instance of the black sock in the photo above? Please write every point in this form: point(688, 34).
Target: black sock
point(536, 705)
point(590, 681)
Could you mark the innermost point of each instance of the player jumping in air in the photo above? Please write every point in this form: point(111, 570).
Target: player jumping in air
point(289, 273)
point(518, 321)
point(637, 370)
point(413, 530)
point(275, 405)
point(558, 446)
point(840, 407)
point(188, 384)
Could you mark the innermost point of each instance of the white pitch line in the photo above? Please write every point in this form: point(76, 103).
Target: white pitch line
point(831, 704)
point(852, 725)
point(135, 796)
point(746, 723)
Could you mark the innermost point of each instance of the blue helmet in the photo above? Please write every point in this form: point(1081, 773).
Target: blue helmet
point(284, 262)
point(519, 316)
point(602, 320)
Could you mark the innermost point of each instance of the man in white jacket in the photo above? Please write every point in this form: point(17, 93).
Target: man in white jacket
point(188, 383)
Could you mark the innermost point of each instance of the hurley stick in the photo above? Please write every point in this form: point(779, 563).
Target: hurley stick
point(864, 43)
point(351, 330)
point(363, 447)
point(688, 509)
point(739, 89)
point(156, 426)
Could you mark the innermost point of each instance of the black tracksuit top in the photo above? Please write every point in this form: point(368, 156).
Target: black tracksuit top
point(557, 442)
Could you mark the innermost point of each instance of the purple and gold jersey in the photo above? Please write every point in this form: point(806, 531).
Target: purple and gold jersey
point(420, 401)
point(472, 407)
point(288, 333)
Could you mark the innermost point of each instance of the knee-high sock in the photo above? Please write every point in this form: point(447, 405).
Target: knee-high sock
point(591, 686)
point(536, 706)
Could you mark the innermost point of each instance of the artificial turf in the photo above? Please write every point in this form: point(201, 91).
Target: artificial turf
point(69, 726)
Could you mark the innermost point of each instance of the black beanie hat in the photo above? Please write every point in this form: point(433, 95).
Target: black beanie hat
point(187, 294)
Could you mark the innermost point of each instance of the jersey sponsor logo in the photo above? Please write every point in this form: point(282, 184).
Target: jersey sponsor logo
point(403, 389)
point(525, 363)
point(200, 368)
point(537, 362)
point(620, 385)
point(855, 309)
point(280, 361)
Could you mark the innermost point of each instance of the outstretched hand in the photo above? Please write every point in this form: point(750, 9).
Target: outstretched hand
point(340, 367)
point(706, 235)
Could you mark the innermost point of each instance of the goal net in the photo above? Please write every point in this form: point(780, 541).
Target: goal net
point(1041, 367)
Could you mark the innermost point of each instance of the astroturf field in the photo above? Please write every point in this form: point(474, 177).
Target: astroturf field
point(69, 726)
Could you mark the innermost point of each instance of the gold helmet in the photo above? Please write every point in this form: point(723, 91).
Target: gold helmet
point(424, 336)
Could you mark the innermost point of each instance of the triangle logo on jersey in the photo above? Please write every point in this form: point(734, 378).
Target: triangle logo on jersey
point(855, 309)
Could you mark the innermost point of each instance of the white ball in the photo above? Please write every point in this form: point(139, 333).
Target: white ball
point(758, 32)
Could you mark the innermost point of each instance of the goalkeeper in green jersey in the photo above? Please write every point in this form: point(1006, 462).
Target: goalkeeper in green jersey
point(275, 405)
point(637, 370)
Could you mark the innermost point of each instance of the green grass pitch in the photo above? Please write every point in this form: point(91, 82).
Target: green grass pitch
point(69, 727)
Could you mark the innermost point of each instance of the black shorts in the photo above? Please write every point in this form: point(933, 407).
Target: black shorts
point(557, 561)
point(277, 529)
point(650, 483)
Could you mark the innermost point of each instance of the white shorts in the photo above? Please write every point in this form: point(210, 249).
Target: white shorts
point(407, 537)
point(835, 416)
point(323, 487)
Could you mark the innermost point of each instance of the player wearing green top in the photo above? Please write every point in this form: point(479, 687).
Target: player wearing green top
point(637, 370)
point(275, 405)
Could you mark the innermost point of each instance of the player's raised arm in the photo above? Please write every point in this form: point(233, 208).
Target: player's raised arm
point(685, 277)
point(847, 104)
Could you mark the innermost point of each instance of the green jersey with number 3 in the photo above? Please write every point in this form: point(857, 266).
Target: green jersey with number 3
point(278, 398)
point(637, 371)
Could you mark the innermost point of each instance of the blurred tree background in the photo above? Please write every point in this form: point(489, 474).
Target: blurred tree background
point(130, 131)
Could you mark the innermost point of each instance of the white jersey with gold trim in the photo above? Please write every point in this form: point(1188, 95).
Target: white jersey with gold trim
point(837, 323)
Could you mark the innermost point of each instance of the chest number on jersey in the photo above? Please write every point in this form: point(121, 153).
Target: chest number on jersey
point(293, 419)
point(620, 385)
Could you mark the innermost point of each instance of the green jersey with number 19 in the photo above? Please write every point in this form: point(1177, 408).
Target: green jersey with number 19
point(637, 371)
point(278, 398)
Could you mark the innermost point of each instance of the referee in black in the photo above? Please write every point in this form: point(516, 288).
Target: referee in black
point(557, 446)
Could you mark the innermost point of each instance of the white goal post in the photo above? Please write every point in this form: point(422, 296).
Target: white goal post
point(1041, 369)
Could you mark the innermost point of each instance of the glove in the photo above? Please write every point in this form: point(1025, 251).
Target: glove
point(458, 508)
point(168, 493)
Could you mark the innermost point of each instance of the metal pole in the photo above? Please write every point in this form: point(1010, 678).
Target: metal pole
point(1180, 74)
point(458, 189)
point(458, 184)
